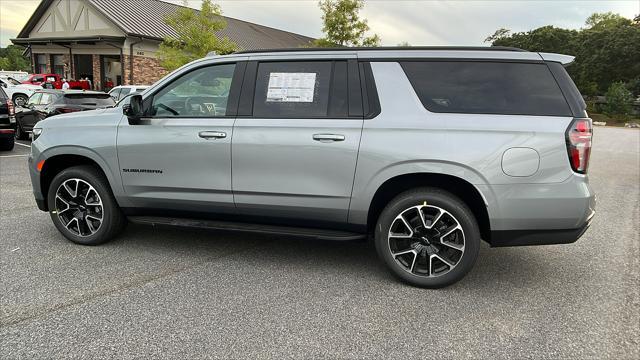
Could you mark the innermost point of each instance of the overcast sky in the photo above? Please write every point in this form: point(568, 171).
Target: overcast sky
point(419, 22)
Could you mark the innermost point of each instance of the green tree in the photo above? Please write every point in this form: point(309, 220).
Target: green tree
point(606, 50)
point(619, 100)
point(196, 38)
point(342, 25)
point(11, 59)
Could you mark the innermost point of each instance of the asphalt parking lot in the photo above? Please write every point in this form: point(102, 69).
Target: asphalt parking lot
point(166, 292)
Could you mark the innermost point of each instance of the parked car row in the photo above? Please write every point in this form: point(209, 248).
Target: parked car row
point(45, 103)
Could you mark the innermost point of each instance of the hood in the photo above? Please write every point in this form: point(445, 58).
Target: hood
point(83, 118)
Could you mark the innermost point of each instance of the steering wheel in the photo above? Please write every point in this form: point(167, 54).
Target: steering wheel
point(204, 110)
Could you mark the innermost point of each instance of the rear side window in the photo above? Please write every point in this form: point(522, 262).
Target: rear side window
point(89, 99)
point(3, 96)
point(300, 89)
point(476, 87)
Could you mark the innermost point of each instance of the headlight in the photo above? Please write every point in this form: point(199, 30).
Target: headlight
point(35, 133)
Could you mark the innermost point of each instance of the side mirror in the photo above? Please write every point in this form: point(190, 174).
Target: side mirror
point(133, 110)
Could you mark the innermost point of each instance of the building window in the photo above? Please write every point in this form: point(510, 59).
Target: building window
point(41, 63)
point(57, 64)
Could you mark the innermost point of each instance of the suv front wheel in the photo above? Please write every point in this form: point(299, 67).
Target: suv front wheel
point(82, 206)
point(428, 237)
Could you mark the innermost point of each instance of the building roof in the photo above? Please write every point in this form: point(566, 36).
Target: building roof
point(145, 18)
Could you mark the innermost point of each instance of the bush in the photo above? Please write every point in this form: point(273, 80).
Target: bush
point(619, 100)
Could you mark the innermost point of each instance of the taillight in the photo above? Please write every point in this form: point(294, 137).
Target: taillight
point(65, 110)
point(11, 108)
point(579, 135)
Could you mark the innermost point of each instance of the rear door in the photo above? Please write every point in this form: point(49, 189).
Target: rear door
point(26, 116)
point(296, 139)
point(179, 156)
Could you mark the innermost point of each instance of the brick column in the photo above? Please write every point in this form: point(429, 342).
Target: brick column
point(97, 81)
point(127, 70)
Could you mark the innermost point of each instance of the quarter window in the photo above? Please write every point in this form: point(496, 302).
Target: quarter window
point(200, 93)
point(486, 88)
point(294, 89)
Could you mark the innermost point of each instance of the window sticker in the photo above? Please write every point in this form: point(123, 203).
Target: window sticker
point(291, 87)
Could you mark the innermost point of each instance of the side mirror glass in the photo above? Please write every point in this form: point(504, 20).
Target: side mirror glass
point(133, 110)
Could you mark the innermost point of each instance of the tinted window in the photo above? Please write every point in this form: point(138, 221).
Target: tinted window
point(293, 89)
point(200, 93)
point(486, 88)
point(89, 99)
point(3, 96)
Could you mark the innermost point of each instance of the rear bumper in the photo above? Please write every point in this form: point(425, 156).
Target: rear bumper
point(538, 237)
point(6, 133)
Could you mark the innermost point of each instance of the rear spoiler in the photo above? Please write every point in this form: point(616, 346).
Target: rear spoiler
point(562, 59)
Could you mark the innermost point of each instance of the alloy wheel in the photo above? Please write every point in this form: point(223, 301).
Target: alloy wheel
point(426, 240)
point(79, 207)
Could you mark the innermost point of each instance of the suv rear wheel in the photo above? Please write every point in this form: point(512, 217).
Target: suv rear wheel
point(82, 206)
point(428, 237)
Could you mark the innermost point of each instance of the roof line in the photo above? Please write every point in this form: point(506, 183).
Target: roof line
point(403, 48)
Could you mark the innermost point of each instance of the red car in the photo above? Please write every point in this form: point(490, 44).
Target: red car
point(56, 81)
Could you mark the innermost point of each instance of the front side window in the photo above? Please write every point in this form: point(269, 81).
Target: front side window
point(46, 99)
point(200, 93)
point(296, 89)
point(115, 94)
point(35, 99)
point(478, 87)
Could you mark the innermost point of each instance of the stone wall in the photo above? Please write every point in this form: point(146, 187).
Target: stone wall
point(97, 83)
point(146, 70)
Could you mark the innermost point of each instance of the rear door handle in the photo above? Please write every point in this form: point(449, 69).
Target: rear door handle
point(328, 137)
point(212, 134)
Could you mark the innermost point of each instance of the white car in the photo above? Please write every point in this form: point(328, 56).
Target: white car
point(18, 92)
point(120, 92)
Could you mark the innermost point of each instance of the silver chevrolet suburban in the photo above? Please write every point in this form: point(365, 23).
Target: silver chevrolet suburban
point(426, 150)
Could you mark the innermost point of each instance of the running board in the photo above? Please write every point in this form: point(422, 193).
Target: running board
point(320, 234)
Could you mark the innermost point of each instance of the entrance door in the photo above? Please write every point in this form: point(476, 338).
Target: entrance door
point(179, 157)
point(111, 70)
point(295, 157)
point(83, 65)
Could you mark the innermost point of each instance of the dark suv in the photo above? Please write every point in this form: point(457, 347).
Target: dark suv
point(7, 122)
point(45, 103)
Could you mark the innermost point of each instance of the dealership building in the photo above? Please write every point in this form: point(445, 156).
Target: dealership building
point(116, 41)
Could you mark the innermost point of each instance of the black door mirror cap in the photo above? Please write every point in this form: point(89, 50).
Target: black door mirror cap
point(133, 110)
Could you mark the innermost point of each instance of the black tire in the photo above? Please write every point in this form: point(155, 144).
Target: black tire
point(20, 99)
point(7, 144)
point(113, 220)
point(436, 199)
point(21, 134)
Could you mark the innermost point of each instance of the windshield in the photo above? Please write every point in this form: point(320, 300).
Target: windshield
point(11, 81)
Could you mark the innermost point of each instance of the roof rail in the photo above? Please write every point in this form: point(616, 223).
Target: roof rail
point(397, 48)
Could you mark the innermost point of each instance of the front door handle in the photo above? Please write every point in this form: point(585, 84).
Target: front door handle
point(328, 137)
point(212, 134)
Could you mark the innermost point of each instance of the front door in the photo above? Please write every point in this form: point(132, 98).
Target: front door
point(179, 157)
point(295, 156)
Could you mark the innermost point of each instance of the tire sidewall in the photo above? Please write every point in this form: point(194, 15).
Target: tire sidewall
point(445, 201)
point(7, 144)
point(108, 205)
